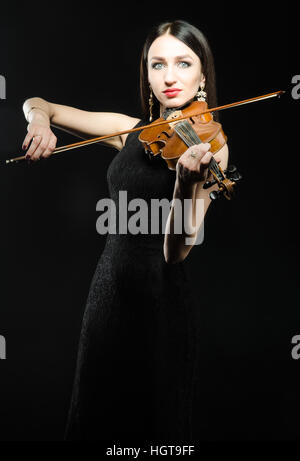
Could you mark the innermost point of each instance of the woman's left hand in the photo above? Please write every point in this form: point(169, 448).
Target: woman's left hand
point(192, 169)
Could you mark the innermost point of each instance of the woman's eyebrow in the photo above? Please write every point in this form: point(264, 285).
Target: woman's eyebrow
point(160, 58)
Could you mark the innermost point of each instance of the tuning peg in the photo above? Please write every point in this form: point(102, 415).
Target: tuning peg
point(208, 184)
point(230, 169)
point(232, 173)
point(236, 176)
point(215, 194)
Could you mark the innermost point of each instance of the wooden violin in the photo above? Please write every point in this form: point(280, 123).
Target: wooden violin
point(170, 141)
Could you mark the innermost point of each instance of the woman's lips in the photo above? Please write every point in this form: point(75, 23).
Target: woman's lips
point(172, 93)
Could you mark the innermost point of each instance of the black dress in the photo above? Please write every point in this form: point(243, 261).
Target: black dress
point(135, 367)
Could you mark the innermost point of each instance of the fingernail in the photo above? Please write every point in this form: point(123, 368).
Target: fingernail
point(24, 147)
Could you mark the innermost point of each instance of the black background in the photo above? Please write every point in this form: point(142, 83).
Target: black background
point(87, 56)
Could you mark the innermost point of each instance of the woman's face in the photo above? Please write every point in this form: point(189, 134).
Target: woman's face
point(174, 71)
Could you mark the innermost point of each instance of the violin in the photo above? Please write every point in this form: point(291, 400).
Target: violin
point(174, 132)
point(170, 141)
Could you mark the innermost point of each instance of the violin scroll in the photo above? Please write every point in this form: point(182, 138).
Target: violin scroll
point(226, 184)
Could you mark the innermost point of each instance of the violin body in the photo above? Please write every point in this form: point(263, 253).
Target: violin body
point(164, 140)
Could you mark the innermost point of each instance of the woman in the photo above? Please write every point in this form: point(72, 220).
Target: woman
point(137, 352)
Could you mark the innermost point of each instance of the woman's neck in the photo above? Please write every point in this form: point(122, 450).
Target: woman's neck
point(164, 109)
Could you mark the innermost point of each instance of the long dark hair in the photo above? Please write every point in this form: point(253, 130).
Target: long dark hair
point(195, 40)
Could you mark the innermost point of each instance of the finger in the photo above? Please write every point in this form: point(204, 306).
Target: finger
point(200, 149)
point(48, 151)
point(27, 140)
point(204, 147)
point(206, 158)
point(40, 149)
point(33, 146)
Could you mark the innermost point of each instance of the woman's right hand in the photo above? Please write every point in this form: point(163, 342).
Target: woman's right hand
point(43, 141)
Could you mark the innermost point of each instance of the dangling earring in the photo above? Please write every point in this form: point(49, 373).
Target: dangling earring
point(150, 104)
point(201, 94)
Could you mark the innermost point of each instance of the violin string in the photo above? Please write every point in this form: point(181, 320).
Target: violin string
point(190, 137)
point(190, 132)
point(185, 131)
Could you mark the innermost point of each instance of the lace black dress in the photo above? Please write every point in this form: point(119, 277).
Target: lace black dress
point(135, 367)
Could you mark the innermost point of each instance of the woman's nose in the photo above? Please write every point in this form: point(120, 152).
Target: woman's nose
point(170, 77)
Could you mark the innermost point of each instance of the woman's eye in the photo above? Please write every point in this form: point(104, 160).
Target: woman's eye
point(183, 64)
point(157, 65)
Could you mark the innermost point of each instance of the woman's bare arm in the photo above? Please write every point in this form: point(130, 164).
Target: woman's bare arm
point(176, 247)
point(42, 114)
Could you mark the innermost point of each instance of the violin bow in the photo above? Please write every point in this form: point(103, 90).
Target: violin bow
point(87, 142)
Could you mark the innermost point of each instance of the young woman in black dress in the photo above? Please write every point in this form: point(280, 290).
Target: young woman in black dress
point(137, 361)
